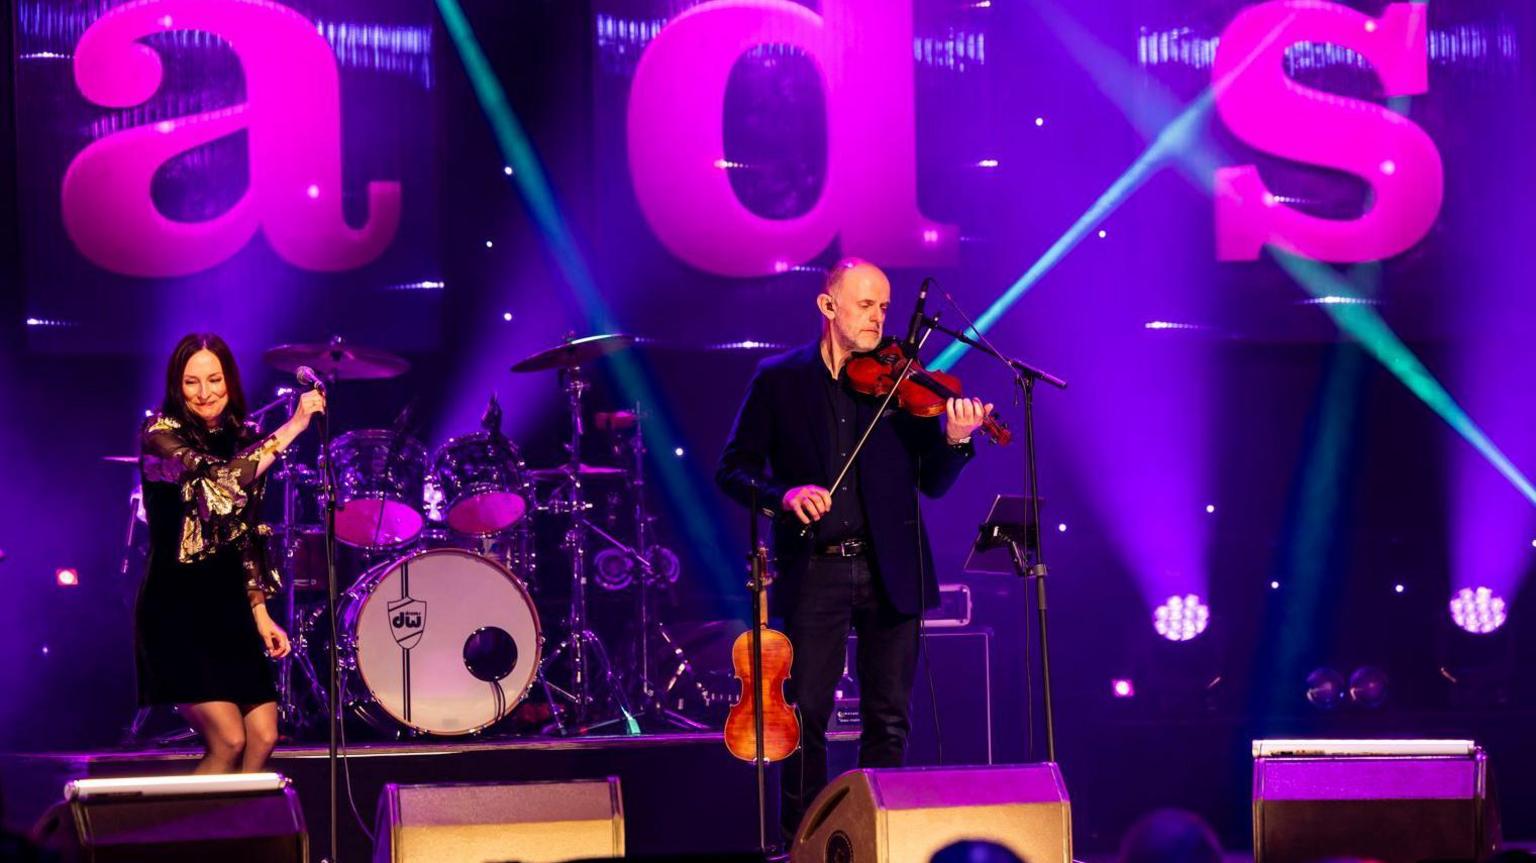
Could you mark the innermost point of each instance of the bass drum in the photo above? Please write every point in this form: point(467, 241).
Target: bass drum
point(445, 642)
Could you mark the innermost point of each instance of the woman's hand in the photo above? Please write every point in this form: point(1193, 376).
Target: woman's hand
point(310, 403)
point(273, 638)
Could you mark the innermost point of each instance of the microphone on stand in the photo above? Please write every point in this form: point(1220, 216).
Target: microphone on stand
point(917, 317)
point(308, 378)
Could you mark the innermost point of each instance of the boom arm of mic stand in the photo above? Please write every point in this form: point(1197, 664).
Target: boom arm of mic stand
point(1019, 366)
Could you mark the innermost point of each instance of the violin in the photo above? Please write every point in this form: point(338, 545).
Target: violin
point(762, 675)
point(923, 393)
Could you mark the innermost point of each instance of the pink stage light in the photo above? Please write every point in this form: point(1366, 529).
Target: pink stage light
point(1181, 618)
point(1123, 687)
point(1478, 610)
point(67, 577)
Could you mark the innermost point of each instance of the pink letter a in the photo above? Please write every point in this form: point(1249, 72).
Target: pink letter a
point(293, 118)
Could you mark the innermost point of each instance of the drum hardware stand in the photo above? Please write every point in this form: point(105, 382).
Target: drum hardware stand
point(651, 704)
point(288, 712)
point(586, 649)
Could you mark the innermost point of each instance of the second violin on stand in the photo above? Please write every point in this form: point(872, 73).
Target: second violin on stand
point(762, 726)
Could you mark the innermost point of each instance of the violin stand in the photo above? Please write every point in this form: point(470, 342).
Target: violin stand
point(757, 560)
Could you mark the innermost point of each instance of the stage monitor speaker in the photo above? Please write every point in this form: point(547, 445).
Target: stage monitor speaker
point(907, 815)
point(239, 818)
point(1394, 801)
point(526, 821)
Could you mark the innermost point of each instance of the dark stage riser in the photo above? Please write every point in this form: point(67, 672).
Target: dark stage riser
point(682, 793)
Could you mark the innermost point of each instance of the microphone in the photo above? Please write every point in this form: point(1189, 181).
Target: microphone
point(917, 316)
point(308, 378)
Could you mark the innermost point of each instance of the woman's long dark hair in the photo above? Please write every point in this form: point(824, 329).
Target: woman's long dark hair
point(175, 404)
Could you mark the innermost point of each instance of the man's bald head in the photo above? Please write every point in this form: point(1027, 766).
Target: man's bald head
point(855, 268)
point(853, 302)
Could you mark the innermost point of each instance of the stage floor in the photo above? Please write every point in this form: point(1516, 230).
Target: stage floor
point(682, 793)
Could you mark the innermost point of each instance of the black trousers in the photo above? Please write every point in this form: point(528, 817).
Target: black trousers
point(838, 594)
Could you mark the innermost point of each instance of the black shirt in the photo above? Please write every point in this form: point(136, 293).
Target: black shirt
point(846, 520)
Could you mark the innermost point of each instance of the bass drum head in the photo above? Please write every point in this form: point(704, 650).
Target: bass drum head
point(446, 641)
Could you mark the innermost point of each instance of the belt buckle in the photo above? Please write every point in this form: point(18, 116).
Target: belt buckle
point(850, 547)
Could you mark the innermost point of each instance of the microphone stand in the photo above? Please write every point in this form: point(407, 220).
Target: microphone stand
point(1032, 563)
point(328, 490)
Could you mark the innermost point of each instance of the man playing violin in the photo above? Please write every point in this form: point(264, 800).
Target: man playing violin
point(854, 557)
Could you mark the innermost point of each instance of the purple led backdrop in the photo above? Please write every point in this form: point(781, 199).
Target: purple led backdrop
point(1196, 382)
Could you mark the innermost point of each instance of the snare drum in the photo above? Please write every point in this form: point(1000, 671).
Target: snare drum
point(482, 483)
point(445, 641)
point(379, 479)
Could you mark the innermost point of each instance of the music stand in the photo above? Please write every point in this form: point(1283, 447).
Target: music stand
point(1005, 530)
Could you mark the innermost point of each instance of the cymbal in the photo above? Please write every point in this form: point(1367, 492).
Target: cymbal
point(744, 345)
point(337, 360)
point(585, 470)
point(121, 459)
point(574, 353)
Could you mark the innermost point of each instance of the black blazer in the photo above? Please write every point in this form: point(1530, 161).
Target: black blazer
point(780, 441)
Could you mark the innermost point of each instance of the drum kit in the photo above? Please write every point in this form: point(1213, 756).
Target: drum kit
point(439, 633)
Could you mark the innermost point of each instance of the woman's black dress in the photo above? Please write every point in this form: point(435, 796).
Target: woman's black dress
point(196, 638)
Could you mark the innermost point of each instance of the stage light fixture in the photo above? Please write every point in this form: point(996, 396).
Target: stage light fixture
point(1478, 610)
point(1123, 687)
point(1181, 618)
point(67, 577)
point(1368, 686)
point(1326, 688)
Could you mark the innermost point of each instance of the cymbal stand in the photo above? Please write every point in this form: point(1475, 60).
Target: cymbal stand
point(585, 648)
point(288, 714)
point(651, 626)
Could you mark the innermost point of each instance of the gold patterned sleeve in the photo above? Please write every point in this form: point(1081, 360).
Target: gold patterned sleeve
point(257, 562)
point(215, 492)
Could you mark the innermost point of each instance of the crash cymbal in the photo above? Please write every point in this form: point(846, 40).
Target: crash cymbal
point(121, 459)
point(338, 361)
point(585, 470)
point(574, 353)
point(692, 347)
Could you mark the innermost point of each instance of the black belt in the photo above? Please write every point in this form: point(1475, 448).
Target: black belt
point(847, 548)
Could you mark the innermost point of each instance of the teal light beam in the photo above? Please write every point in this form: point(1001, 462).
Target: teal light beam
point(701, 526)
point(1366, 326)
point(1178, 144)
point(1153, 159)
point(1172, 143)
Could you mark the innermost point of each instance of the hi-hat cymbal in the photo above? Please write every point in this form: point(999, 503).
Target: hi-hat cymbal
point(585, 470)
point(121, 459)
point(574, 353)
point(337, 360)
